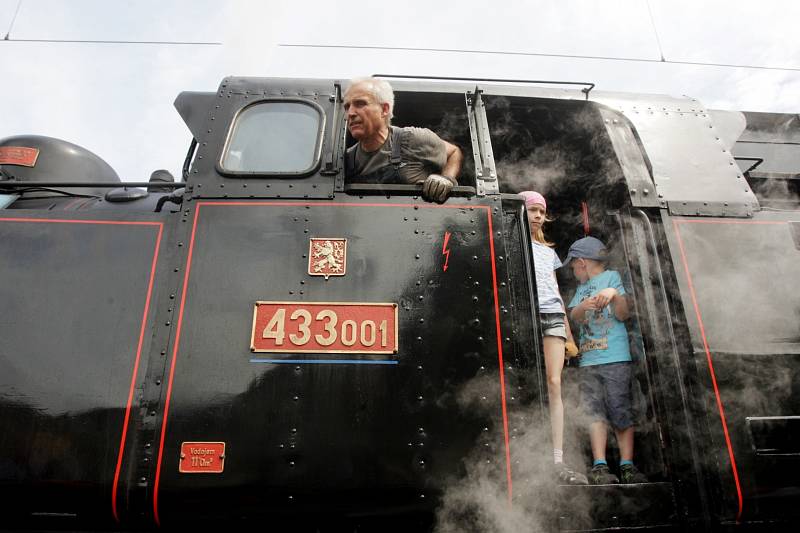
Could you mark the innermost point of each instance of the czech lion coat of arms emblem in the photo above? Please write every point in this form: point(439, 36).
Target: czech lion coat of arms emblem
point(327, 257)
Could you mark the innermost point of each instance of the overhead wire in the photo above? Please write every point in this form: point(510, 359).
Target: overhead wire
point(13, 20)
point(535, 54)
point(661, 59)
point(102, 41)
point(655, 31)
point(96, 41)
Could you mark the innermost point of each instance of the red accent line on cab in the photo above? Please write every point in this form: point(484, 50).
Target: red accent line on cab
point(135, 373)
point(500, 356)
point(172, 366)
point(710, 365)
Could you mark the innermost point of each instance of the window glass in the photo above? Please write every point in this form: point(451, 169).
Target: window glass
point(274, 138)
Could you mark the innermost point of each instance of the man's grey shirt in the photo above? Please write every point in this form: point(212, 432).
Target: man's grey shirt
point(422, 152)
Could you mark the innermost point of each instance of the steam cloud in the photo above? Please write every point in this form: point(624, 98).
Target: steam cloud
point(479, 502)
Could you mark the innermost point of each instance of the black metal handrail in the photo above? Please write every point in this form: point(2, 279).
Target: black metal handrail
point(758, 161)
point(585, 90)
point(13, 184)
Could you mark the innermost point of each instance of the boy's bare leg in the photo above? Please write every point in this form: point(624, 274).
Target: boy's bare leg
point(625, 443)
point(554, 364)
point(598, 432)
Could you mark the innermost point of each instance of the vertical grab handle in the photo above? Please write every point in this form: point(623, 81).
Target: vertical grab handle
point(485, 171)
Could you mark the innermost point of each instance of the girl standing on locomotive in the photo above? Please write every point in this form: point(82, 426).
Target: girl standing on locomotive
point(556, 332)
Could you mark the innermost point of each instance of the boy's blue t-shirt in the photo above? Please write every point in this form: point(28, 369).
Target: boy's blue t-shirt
point(603, 339)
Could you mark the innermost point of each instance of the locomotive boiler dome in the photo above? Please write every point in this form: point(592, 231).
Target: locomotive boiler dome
point(47, 159)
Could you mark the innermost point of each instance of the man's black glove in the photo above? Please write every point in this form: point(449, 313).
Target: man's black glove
point(436, 188)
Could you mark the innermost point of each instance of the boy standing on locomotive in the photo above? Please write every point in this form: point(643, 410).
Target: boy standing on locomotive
point(600, 308)
point(387, 154)
point(556, 333)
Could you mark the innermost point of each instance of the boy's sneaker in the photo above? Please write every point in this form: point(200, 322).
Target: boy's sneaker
point(567, 476)
point(631, 474)
point(601, 475)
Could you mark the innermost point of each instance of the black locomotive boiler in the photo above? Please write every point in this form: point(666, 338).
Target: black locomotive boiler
point(264, 343)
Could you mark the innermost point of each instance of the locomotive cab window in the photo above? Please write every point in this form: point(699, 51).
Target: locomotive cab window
point(442, 113)
point(273, 138)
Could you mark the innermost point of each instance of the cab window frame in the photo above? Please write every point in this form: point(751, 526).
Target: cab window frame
point(419, 108)
point(300, 173)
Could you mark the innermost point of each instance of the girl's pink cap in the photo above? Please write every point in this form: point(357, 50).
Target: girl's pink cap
point(533, 197)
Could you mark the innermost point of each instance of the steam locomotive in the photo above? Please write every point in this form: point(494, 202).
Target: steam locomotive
point(265, 343)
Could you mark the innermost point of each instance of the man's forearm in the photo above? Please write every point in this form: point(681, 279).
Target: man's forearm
point(452, 167)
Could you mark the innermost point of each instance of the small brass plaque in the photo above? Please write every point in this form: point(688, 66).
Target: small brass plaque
point(202, 458)
point(18, 155)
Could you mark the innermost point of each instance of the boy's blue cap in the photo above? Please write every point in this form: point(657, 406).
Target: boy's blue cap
point(586, 248)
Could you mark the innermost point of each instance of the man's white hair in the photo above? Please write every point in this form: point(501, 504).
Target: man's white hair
point(380, 89)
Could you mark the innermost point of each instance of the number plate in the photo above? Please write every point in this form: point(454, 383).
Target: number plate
point(324, 327)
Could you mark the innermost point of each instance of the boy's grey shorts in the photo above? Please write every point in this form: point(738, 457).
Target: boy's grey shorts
point(606, 393)
point(553, 325)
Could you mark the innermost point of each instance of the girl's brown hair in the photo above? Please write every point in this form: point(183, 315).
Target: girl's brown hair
point(538, 235)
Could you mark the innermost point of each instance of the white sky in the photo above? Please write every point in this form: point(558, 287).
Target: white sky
point(116, 98)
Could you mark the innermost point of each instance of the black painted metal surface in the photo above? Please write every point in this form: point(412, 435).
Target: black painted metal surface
point(335, 432)
point(737, 280)
point(76, 295)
